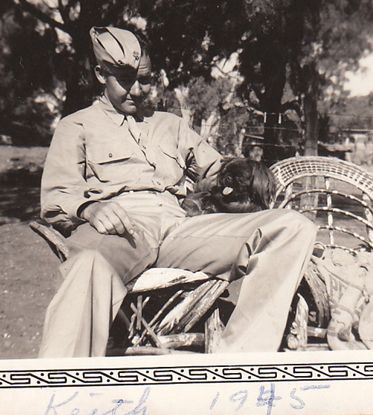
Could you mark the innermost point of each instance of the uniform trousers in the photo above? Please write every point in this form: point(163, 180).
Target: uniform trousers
point(268, 249)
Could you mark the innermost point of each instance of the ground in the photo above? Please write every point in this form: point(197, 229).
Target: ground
point(28, 268)
point(28, 276)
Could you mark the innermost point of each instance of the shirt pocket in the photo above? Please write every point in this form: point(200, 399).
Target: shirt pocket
point(172, 154)
point(109, 162)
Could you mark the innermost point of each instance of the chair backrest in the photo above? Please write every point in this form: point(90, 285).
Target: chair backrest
point(334, 193)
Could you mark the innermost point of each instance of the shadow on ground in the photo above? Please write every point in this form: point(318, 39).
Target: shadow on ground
point(19, 195)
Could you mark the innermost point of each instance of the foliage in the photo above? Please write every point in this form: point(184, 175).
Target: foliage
point(26, 73)
point(308, 45)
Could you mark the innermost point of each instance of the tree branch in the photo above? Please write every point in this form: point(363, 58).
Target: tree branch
point(36, 12)
point(45, 2)
point(64, 12)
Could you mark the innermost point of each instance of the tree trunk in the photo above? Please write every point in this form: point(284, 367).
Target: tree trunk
point(275, 78)
point(311, 124)
point(310, 145)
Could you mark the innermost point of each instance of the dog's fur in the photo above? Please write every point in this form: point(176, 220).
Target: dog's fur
point(243, 185)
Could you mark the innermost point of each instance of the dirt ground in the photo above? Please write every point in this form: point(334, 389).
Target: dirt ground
point(28, 268)
point(28, 276)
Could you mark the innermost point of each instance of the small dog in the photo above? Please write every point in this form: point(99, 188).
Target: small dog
point(243, 186)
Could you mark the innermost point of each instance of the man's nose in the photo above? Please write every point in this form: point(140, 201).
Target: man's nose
point(135, 89)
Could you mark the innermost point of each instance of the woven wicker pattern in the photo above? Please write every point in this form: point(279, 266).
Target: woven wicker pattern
point(289, 170)
point(324, 193)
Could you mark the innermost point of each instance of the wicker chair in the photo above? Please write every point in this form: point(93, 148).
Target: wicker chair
point(337, 196)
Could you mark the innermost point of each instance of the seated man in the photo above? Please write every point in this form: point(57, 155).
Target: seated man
point(113, 178)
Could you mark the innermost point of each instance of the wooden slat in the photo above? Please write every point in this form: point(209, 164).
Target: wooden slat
point(154, 320)
point(204, 305)
point(161, 278)
point(175, 341)
point(54, 239)
point(172, 322)
point(149, 350)
point(213, 330)
point(149, 329)
point(138, 311)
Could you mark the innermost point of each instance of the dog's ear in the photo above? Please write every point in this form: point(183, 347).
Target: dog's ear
point(263, 185)
point(270, 192)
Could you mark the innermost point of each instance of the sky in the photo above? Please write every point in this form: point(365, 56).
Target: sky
point(361, 82)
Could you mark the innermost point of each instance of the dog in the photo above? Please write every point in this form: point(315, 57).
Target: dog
point(243, 186)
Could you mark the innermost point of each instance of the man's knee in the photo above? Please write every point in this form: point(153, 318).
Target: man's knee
point(85, 264)
point(299, 223)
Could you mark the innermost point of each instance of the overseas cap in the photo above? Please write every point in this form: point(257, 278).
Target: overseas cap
point(116, 47)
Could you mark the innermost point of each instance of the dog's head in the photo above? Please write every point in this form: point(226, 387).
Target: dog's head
point(244, 185)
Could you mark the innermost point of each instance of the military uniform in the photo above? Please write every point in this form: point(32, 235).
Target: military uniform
point(99, 154)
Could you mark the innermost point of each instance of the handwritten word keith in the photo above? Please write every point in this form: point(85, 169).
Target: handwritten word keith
point(71, 405)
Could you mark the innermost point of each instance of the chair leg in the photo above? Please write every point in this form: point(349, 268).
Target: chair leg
point(213, 330)
point(297, 339)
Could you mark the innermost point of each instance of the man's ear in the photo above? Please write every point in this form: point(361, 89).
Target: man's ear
point(100, 75)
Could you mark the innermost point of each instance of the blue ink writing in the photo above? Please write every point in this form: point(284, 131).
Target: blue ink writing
point(52, 407)
point(117, 406)
point(213, 403)
point(300, 403)
point(239, 397)
point(310, 387)
point(267, 398)
point(140, 409)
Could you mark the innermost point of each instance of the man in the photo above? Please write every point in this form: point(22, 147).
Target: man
point(113, 178)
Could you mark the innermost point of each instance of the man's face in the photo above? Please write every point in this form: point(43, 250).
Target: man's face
point(127, 89)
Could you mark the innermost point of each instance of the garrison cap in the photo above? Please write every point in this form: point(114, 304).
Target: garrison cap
point(115, 48)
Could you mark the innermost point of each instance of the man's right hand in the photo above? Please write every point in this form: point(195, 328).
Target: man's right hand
point(108, 218)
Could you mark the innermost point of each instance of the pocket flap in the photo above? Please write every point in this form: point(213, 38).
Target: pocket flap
point(108, 153)
point(172, 151)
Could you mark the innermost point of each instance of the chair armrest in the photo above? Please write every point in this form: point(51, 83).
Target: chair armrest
point(54, 239)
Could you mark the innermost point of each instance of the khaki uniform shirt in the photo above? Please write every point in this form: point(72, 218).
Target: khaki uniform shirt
point(93, 156)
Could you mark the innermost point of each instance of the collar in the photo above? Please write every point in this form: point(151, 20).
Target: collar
point(115, 116)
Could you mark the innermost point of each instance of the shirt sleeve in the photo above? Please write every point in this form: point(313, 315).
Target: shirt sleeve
point(203, 161)
point(63, 181)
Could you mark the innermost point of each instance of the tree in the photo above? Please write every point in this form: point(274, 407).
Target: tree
point(26, 76)
point(337, 35)
point(309, 43)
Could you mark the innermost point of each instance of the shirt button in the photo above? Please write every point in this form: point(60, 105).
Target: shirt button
point(110, 155)
point(160, 204)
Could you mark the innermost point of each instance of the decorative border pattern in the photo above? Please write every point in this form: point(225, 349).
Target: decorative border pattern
point(186, 375)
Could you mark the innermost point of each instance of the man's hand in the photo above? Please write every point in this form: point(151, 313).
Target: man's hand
point(108, 218)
